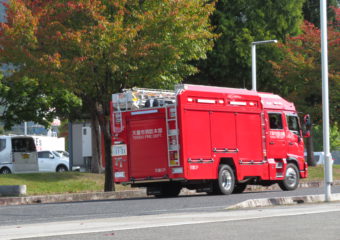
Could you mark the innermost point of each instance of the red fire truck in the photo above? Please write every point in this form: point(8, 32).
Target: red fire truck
point(212, 139)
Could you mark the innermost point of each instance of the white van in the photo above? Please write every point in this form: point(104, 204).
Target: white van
point(18, 154)
point(319, 158)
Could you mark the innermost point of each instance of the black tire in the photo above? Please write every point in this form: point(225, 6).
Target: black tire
point(61, 168)
point(291, 180)
point(170, 190)
point(215, 189)
point(226, 179)
point(5, 170)
point(240, 187)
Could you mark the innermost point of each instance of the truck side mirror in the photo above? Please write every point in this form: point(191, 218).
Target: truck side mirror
point(307, 121)
point(306, 134)
point(307, 125)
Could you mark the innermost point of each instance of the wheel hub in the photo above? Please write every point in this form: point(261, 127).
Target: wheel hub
point(291, 177)
point(226, 180)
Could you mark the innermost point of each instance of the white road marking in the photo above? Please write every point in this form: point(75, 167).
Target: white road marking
point(161, 220)
point(185, 209)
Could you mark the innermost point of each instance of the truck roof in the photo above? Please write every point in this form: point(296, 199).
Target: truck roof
point(273, 101)
point(136, 98)
point(201, 88)
point(268, 100)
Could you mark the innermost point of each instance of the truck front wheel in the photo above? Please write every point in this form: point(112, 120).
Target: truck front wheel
point(226, 179)
point(291, 180)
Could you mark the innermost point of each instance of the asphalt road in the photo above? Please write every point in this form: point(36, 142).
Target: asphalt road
point(42, 213)
point(306, 221)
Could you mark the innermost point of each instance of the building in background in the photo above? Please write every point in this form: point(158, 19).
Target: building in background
point(79, 144)
point(33, 129)
point(2, 11)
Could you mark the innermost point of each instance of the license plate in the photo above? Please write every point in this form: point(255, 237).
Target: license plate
point(119, 174)
point(119, 150)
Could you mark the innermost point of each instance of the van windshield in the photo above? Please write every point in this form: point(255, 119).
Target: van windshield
point(56, 153)
point(23, 145)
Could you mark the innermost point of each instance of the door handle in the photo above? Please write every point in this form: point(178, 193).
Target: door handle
point(220, 150)
point(291, 143)
point(271, 143)
point(225, 150)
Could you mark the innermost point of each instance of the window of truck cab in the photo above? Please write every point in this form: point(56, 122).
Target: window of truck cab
point(293, 123)
point(275, 121)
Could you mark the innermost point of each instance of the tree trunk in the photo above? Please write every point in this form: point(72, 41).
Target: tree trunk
point(309, 142)
point(310, 150)
point(104, 124)
point(109, 186)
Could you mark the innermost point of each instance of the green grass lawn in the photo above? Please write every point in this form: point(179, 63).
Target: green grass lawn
point(317, 173)
point(76, 182)
point(54, 183)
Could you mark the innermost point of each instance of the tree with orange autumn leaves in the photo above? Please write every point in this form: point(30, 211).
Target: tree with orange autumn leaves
point(93, 48)
point(300, 70)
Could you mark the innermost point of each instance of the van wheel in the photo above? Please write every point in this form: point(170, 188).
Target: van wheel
point(240, 187)
point(226, 179)
point(291, 180)
point(5, 170)
point(61, 168)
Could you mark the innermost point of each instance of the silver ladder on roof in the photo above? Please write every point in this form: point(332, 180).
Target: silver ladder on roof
point(172, 135)
point(136, 99)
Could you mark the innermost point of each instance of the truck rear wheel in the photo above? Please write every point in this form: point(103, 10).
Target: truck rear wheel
point(291, 180)
point(226, 179)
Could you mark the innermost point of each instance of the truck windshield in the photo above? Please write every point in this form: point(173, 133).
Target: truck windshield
point(293, 123)
point(23, 145)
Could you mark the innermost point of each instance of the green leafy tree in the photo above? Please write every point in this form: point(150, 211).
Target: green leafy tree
point(24, 100)
point(240, 22)
point(336, 21)
point(311, 11)
point(300, 72)
point(94, 48)
point(334, 138)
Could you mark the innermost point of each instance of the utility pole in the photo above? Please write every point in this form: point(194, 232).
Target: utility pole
point(325, 101)
point(253, 60)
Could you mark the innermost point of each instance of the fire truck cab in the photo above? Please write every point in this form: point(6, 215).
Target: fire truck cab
point(212, 139)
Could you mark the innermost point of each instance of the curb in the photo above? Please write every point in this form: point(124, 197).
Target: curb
point(267, 202)
point(141, 193)
point(79, 197)
point(74, 197)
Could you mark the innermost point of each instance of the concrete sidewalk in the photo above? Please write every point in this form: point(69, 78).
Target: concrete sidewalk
point(140, 193)
point(267, 202)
